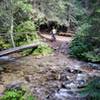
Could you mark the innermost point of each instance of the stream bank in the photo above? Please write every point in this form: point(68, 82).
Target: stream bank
point(52, 77)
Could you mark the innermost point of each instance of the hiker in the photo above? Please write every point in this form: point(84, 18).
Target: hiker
point(53, 33)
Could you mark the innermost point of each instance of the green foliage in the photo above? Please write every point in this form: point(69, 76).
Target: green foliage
point(92, 56)
point(27, 52)
point(85, 47)
point(13, 94)
point(93, 89)
point(43, 49)
point(18, 9)
point(60, 11)
point(4, 44)
point(86, 44)
point(39, 21)
point(79, 45)
point(27, 26)
point(30, 35)
point(15, 14)
point(31, 98)
point(77, 48)
point(23, 39)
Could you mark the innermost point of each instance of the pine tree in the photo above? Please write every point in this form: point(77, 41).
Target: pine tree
point(8, 10)
point(62, 11)
point(86, 44)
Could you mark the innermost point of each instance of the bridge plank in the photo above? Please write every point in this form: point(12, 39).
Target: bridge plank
point(17, 49)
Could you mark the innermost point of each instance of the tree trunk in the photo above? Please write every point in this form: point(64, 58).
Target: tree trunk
point(12, 25)
point(11, 31)
point(68, 19)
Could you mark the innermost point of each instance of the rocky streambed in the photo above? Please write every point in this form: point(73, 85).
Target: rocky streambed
point(73, 83)
point(54, 77)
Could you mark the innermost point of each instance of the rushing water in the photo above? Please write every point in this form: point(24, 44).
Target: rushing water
point(75, 84)
point(80, 86)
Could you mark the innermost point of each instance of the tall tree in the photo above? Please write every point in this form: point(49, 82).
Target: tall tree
point(62, 11)
point(86, 44)
point(8, 10)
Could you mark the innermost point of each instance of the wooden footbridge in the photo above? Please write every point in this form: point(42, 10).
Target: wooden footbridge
point(17, 49)
point(28, 46)
point(14, 49)
point(20, 48)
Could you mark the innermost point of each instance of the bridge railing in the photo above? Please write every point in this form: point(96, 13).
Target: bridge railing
point(7, 37)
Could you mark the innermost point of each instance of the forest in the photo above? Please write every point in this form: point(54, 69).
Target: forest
point(49, 49)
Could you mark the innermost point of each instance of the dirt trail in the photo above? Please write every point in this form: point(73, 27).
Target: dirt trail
point(41, 74)
point(58, 38)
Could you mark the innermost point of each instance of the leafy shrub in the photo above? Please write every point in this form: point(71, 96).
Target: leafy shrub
point(26, 27)
point(27, 52)
point(39, 21)
point(21, 39)
point(86, 46)
point(84, 50)
point(13, 94)
point(43, 49)
point(88, 35)
point(3, 43)
point(92, 56)
point(92, 89)
point(78, 47)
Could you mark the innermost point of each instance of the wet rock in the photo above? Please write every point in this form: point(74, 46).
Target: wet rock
point(82, 76)
point(63, 48)
point(1, 68)
point(94, 66)
point(63, 77)
point(1, 94)
point(2, 88)
point(73, 70)
point(64, 94)
point(81, 80)
point(91, 66)
point(77, 66)
point(75, 81)
point(14, 85)
point(6, 58)
point(28, 78)
point(70, 85)
point(68, 94)
point(80, 83)
point(52, 75)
